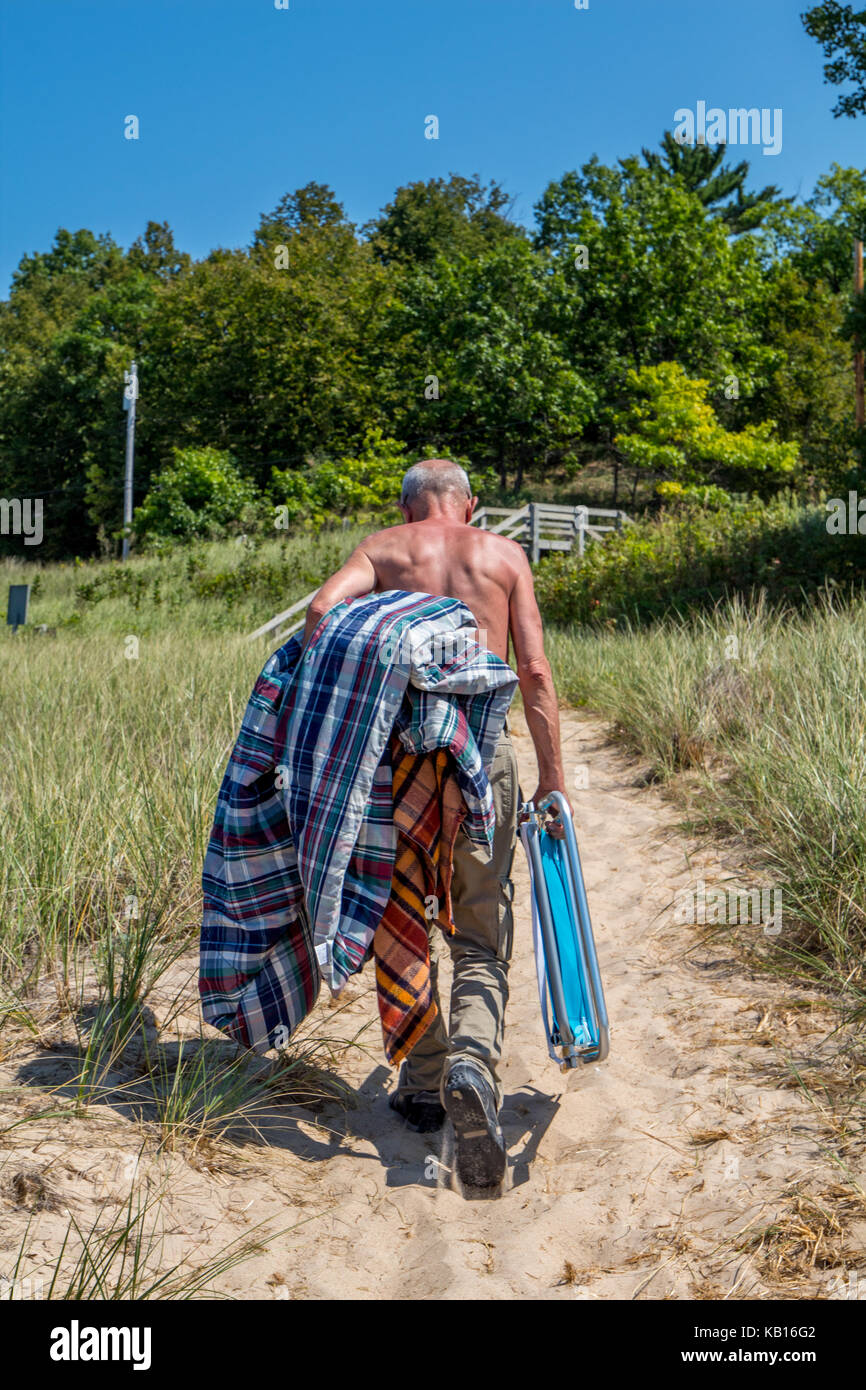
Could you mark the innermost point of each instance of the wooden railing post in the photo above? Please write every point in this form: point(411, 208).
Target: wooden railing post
point(580, 523)
point(534, 534)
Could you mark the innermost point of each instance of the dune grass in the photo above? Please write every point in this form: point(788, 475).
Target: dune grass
point(766, 711)
point(121, 1257)
point(109, 769)
point(112, 752)
point(230, 586)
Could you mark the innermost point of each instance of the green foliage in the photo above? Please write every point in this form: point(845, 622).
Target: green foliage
point(200, 494)
point(693, 556)
point(806, 388)
point(488, 367)
point(672, 428)
point(816, 236)
point(311, 208)
point(662, 281)
point(441, 325)
point(841, 32)
point(708, 495)
point(703, 171)
point(363, 486)
point(452, 217)
point(156, 254)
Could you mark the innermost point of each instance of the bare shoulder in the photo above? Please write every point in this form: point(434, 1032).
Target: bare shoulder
point(386, 539)
point(510, 554)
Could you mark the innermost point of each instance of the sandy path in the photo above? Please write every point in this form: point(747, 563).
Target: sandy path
point(628, 1179)
point(612, 1169)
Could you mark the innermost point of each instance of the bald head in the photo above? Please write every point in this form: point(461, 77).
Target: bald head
point(435, 485)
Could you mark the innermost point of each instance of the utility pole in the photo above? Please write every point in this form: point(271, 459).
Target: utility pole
point(859, 396)
point(130, 396)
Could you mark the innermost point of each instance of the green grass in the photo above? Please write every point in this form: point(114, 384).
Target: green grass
point(221, 586)
point(122, 1258)
point(111, 758)
point(109, 769)
point(110, 763)
point(767, 713)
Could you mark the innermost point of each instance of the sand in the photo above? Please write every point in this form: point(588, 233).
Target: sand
point(648, 1176)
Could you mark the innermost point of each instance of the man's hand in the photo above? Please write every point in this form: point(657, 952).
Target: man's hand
point(544, 788)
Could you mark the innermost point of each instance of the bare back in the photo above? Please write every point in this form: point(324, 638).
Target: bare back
point(443, 554)
point(453, 559)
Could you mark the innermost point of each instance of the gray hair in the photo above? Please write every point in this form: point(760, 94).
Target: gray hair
point(438, 478)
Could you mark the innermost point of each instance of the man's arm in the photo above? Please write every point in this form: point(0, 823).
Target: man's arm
point(536, 683)
point(357, 576)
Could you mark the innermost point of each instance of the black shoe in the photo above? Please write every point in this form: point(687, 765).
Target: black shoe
point(422, 1111)
point(471, 1105)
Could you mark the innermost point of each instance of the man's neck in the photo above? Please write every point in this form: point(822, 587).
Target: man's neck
point(443, 518)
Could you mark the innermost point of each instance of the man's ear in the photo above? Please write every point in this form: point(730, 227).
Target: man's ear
point(470, 507)
point(404, 511)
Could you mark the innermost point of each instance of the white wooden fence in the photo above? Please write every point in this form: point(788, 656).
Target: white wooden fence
point(541, 526)
point(537, 526)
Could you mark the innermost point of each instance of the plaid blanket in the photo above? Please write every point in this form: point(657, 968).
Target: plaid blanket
point(428, 810)
point(300, 860)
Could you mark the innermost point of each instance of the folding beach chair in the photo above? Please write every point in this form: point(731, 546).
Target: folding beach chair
point(569, 980)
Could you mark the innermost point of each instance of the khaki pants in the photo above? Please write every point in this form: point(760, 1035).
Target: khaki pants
point(482, 893)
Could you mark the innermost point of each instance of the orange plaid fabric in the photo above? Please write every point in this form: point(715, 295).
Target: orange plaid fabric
point(428, 810)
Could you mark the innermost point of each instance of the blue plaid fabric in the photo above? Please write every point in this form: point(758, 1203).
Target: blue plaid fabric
point(299, 864)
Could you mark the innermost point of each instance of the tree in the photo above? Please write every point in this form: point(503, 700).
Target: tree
point(81, 258)
point(669, 426)
point(648, 277)
point(818, 235)
point(806, 387)
point(367, 485)
point(156, 254)
point(441, 217)
point(70, 326)
point(271, 364)
point(704, 173)
point(841, 32)
point(311, 208)
point(477, 369)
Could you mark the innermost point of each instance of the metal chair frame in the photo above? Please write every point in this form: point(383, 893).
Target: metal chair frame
point(573, 1050)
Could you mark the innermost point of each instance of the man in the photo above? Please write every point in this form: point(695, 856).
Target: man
point(436, 551)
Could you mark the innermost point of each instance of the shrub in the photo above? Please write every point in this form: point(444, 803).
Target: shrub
point(690, 494)
point(361, 487)
point(693, 556)
point(198, 495)
point(670, 427)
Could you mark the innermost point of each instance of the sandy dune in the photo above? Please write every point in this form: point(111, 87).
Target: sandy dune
point(633, 1179)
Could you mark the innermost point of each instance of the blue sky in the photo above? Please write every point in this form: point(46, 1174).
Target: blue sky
point(239, 102)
